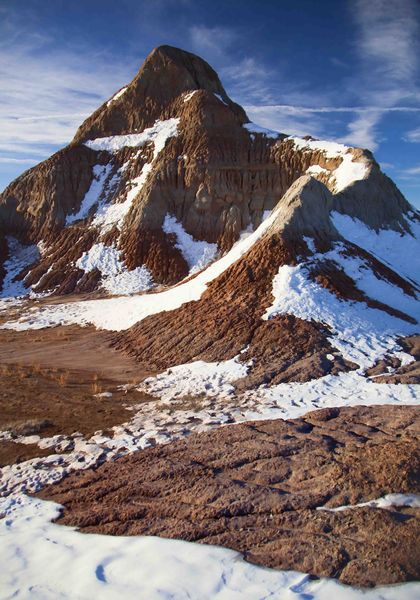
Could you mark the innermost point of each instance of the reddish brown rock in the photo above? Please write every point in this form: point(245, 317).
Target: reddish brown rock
point(256, 488)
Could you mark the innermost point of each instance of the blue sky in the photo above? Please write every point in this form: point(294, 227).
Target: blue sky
point(346, 70)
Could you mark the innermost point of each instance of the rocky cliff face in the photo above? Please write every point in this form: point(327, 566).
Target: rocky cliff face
point(168, 162)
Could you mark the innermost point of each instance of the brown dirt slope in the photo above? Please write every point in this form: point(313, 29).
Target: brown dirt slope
point(255, 488)
point(228, 318)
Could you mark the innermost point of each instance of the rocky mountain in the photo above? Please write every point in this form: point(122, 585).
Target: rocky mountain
point(175, 269)
point(167, 184)
point(171, 155)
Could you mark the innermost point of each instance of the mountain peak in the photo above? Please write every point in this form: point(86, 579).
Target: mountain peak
point(167, 73)
point(304, 210)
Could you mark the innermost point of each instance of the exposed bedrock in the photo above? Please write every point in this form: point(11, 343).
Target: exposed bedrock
point(256, 488)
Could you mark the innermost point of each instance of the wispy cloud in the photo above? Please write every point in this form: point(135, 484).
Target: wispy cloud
point(313, 120)
point(388, 47)
point(211, 42)
point(16, 161)
point(362, 131)
point(46, 95)
point(388, 39)
point(413, 135)
point(412, 171)
point(247, 78)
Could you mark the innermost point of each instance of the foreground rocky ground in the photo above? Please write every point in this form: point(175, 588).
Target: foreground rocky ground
point(263, 489)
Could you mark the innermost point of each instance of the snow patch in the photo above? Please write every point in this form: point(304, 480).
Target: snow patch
point(387, 502)
point(316, 170)
point(110, 215)
point(219, 97)
point(116, 279)
point(100, 176)
point(196, 378)
point(189, 95)
point(198, 254)
point(348, 172)
point(20, 257)
point(158, 134)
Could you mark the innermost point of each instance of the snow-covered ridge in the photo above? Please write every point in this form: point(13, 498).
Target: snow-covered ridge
point(329, 149)
point(158, 134)
point(198, 254)
point(117, 95)
point(346, 173)
point(253, 128)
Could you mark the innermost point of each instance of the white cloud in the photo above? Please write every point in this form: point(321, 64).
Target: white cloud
point(413, 135)
point(412, 171)
point(388, 47)
point(46, 95)
point(16, 161)
point(211, 42)
point(362, 130)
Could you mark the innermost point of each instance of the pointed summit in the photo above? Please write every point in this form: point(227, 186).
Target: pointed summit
point(165, 75)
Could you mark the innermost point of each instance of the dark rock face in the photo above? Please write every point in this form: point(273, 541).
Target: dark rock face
point(257, 488)
point(214, 176)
